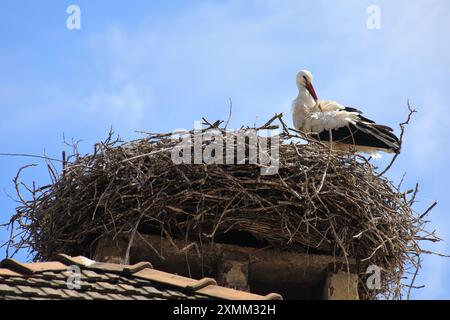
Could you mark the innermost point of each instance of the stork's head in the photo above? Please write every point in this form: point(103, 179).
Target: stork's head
point(304, 80)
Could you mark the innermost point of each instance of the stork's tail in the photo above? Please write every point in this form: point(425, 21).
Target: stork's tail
point(387, 139)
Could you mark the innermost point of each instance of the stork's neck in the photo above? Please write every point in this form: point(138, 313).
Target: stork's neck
point(304, 98)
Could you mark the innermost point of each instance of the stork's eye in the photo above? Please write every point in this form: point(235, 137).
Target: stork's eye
point(304, 77)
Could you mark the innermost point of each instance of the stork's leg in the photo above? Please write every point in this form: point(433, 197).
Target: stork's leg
point(330, 135)
point(352, 148)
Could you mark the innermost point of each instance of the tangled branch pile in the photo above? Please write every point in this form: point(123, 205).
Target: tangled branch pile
point(319, 201)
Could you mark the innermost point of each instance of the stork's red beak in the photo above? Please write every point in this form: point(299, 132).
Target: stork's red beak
point(311, 90)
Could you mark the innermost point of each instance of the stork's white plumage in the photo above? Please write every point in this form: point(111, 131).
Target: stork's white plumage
point(344, 127)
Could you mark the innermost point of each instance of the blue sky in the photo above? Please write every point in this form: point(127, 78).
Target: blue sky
point(154, 66)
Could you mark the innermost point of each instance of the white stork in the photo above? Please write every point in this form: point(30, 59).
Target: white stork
point(344, 127)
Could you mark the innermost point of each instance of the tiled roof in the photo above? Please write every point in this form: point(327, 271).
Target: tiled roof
point(60, 279)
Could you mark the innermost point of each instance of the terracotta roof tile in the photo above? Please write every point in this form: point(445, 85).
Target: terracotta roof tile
point(46, 266)
point(50, 292)
point(176, 294)
point(138, 267)
point(16, 280)
point(166, 278)
point(50, 280)
point(7, 297)
point(115, 296)
point(32, 291)
point(152, 291)
point(8, 273)
point(48, 275)
point(228, 294)
point(105, 286)
point(79, 261)
point(97, 296)
point(112, 276)
point(94, 276)
point(127, 288)
point(16, 266)
point(7, 289)
point(85, 296)
point(72, 294)
point(59, 283)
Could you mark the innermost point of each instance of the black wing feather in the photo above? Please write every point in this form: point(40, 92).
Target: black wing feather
point(350, 109)
point(364, 132)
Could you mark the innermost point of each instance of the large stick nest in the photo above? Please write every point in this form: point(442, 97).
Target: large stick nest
point(320, 201)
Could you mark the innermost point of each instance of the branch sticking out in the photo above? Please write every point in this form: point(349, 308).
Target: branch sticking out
point(402, 132)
